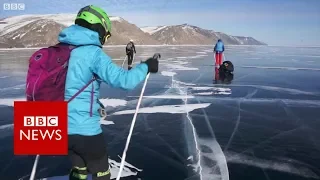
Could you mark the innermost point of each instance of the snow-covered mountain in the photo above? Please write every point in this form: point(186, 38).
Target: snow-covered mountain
point(188, 34)
point(42, 30)
point(152, 29)
point(180, 34)
point(247, 40)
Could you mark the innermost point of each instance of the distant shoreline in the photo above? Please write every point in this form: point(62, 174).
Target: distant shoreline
point(106, 46)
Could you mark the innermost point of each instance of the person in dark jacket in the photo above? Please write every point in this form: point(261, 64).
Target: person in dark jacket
point(225, 72)
point(130, 49)
point(219, 49)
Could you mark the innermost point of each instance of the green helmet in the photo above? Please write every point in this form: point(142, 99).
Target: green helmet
point(94, 15)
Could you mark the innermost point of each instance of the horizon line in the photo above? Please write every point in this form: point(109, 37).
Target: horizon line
point(106, 46)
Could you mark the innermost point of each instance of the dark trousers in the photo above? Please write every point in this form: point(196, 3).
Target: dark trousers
point(88, 154)
point(130, 59)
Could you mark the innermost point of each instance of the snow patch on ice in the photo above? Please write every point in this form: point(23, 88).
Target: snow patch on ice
point(105, 102)
point(10, 101)
point(204, 93)
point(6, 126)
point(167, 73)
point(201, 52)
point(208, 50)
point(181, 62)
point(181, 57)
point(180, 67)
point(211, 93)
point(113, 102)
point(197, 56)
point(211, 88)
point(2, 77)
point(168, 97)
point(172, 109)
point(105, 122)
point(177, 83)
point(222, 92)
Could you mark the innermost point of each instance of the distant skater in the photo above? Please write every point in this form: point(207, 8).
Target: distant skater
point(130, 49)
point(219, 49)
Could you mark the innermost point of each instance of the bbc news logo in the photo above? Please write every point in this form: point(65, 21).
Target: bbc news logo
point(40, 128)
point(13, 6)
point(36, 134)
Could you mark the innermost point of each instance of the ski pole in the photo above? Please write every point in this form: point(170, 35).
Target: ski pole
point(134, 55)
point(34, 168)
point(131, 128)
point(157, 56)
point(124, 61)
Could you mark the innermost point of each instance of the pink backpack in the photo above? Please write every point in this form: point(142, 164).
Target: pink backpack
point(47, 73)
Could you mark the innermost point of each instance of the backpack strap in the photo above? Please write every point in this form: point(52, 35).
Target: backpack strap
point(82, 89)
point(72, 47)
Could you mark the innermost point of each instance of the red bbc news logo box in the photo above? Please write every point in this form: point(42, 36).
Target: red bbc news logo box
point(40, 128)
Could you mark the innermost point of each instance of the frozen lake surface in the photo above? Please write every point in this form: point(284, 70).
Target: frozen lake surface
point(264, 125)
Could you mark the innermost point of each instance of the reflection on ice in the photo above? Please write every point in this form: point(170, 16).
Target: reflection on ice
point(292, 168)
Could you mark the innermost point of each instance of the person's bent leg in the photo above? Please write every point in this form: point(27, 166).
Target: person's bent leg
point(130, 60)
point(216, 74)
point(96, 157)
point(220, 58)
point(217, 59)
point(128, 57)
point(100, 168)
point(79, 169)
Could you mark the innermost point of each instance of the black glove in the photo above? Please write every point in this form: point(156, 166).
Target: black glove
point(157, 56)
point(153, 63)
